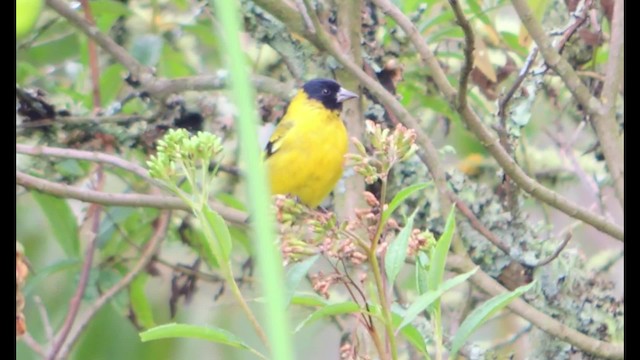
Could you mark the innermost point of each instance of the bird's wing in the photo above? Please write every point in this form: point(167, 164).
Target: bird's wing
point(276, 138)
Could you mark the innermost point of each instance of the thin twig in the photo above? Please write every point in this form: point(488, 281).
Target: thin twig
point(79, 120)
point(469, 46)
point(576, 21)
point(44, 316)
point(554, 60)
point(614, 259)
point(164, 87)
point(33, 344)
point(76, 300)
point(145, 257)
point(95, 156)
point(605, 124)
point(138, 71)
point(234, 216)
point(478, 226)
point(525, 330)
point(556, 252)
point(93, 59)
point(504, 101)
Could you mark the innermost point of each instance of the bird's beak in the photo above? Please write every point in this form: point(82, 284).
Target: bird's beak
point(344, 94)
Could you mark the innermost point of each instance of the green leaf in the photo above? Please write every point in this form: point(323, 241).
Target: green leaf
point(63, 222)
point(481, 314)
point(512, 41)
point(295, 274)
point(147, 49)
point(239, 235)
point(308, 300)
point(203, 33)
point(426, 299)
point(111, 82)
point(476, 9)
point(212, 334)
point(413, 335)
point(139, 301)
point(400, 197)
point(54, 51)
point(347, 307)
point(439, 259)
point(69, 168)
point(42, 274)
point(421, 273)
point(220, 231)
point(397, 251)
point(109, 7)
point(173, 63)
point(115, 215)
point(231, 201)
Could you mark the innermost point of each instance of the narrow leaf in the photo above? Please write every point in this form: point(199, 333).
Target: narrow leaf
point(397, 251)
point(212, 334)
point(295, 274)
point(346, 307)
point(413, 335)
point(421, 272)
point(481, 314)
point(426, 299)
point(439, 259)
point(63, 222)
point(308, 300)
point(139, 301)
point(220, 230)
point(400, 197)
point(43, 274)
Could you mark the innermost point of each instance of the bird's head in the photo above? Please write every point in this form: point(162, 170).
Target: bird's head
point(328, 92)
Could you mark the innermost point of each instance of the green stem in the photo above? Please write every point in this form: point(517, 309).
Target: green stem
point(375, 265)
point(437, 332)
point(245, 307)
point(388, 324)
point(227, 273)
point(377, 342)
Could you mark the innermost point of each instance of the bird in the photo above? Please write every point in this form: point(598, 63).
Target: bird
point(305, 153)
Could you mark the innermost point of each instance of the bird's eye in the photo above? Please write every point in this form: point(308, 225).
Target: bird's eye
point(325, 91)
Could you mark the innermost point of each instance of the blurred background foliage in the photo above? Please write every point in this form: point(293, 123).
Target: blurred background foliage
point(57, 106)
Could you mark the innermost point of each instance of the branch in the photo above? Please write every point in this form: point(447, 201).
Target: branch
point(93, 59)
point(140, 72)
point(78, 120)
point(478, 226)
point(147, 255)
point(489, 141)
point(76, 300)
point(536, 317)
point(605, 124)
point(234, 216)
point(157, 87)
point(469, 41)
point(557, 251)
point(32, 344)
point(84, 155)
point(555, 60)
point(349, 28)
point(164, 87)
point(504, 101)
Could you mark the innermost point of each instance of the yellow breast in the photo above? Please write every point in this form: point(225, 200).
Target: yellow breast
point(309, 156)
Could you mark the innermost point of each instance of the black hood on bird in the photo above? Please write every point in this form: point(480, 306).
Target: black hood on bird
point(328, 92)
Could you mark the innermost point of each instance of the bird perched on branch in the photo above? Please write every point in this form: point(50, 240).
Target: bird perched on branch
point(305, 154)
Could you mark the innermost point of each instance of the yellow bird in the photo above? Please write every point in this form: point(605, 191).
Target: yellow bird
point(305, 154)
